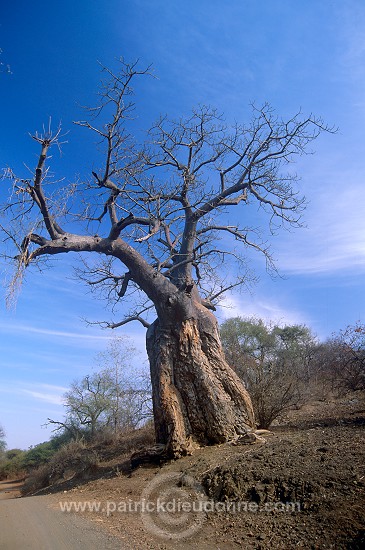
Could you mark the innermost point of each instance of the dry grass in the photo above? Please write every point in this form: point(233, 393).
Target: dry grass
point(80, 460)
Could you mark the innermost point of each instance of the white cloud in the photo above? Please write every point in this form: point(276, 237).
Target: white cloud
point(266, 309)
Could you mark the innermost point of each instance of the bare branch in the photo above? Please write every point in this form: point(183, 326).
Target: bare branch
point(157, 209)
point(129, 320)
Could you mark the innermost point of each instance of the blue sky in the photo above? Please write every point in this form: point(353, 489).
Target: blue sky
point(293, 54)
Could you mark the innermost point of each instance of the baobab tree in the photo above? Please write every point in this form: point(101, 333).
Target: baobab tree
point(154, 214)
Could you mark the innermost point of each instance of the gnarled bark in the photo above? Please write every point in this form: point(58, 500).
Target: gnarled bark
point(197, 398)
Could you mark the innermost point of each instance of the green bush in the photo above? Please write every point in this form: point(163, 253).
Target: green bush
point(11, 466)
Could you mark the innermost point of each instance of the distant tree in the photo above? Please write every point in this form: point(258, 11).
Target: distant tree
point(111, 398)
point(130, 392)
point(156, 215)
point(2, 441)
point(87, 402)
point(341, 359)
point(12, 464)
point(14, 453)
point(296, 347)
point(37, 455)
point(273, 362)
point(63, 437)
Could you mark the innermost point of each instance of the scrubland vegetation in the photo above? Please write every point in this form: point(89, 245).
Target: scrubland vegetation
point(106, 413)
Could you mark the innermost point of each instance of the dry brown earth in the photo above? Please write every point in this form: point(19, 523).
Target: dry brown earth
point(314, 459)
point(303, 488)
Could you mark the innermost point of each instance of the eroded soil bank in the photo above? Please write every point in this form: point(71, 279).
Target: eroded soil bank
point(314, 457)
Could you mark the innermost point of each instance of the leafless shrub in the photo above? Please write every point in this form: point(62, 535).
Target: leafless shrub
point(272, 394)
point(37, 480)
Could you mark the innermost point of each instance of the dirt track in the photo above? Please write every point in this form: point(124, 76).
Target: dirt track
point(34, 523)
point(10, 489)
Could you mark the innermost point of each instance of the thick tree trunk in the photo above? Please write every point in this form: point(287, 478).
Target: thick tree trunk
point(197, 398)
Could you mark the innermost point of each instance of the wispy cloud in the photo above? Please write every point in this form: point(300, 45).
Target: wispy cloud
point(47, 393)
point(6, 327)
point(334, 240)
point(46, 397)
point(352, 15)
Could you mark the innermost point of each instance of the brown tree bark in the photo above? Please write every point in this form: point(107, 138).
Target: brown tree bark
point(197, 398)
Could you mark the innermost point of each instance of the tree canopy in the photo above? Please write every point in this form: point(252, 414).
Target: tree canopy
point(273, 361)
point(164, 201)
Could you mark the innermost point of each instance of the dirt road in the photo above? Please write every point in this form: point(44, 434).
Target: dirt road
point(35, 523)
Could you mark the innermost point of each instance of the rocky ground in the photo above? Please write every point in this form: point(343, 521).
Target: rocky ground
point(303, 487)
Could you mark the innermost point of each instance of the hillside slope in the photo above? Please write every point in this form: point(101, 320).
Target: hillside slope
point(313, 460)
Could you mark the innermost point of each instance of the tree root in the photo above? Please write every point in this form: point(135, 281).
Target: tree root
point(158, 454)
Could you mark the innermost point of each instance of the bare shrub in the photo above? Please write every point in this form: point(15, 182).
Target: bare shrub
point(38, 479)
point(127, 440)
point(273, 361)
point(339, 363)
